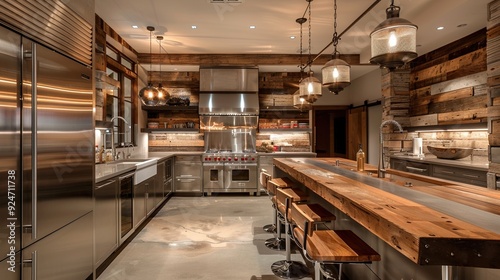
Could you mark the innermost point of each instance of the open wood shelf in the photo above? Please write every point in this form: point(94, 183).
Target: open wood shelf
point(169, 130)
point(170, 108)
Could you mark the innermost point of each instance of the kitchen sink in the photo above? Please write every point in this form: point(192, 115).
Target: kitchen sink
point(144, 168)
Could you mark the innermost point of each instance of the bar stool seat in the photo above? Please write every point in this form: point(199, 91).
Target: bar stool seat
point(326, 246)
point(287, 268)
point(277, 243)
point(264, 179)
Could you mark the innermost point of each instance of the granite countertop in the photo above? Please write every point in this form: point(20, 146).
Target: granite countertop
point(106, 171)
point(462, 163)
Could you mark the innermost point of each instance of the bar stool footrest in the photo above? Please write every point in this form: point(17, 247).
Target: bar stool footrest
point(290, 269)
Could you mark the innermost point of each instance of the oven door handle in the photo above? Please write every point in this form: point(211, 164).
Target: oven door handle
point(185, 180)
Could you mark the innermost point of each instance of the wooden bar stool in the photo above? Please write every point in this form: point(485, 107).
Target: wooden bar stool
point(287, 268)
point(277, 243)
point(264, 178)
point(325, 247)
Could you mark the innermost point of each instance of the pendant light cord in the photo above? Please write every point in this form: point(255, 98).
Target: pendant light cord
point(301, 50)
point(150, 55)
point(335, 38)
point(309, 26)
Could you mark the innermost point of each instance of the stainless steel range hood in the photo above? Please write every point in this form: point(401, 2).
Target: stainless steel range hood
point(229, 91)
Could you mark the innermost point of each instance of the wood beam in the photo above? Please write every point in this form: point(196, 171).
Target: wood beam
point(239, 59)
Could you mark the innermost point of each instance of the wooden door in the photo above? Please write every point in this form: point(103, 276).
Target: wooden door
point(357, 131)
point(330, 131)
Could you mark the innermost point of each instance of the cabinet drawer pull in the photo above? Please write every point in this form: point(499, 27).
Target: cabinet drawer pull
point(446, 172)
point(471, 176)
point(416, 169)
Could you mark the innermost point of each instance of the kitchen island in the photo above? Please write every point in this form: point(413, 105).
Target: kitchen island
point(433, 223)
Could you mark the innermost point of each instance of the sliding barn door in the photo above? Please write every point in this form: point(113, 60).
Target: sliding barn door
point(357, 131)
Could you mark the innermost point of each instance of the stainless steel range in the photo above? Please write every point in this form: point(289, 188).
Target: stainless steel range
point(229, 113)
point(226, 171)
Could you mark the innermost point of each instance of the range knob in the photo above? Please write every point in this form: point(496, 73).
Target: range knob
point(218, 159)
point(228, 159)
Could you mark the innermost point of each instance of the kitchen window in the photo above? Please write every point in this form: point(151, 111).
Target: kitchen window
point(120, 102)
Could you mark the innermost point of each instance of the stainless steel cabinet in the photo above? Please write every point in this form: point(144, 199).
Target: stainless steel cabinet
point(139, 203)
point(62, 255)
point(151, 200)
point(187, 174)
point(106, 219)
point(163, 180)
point(160, 179)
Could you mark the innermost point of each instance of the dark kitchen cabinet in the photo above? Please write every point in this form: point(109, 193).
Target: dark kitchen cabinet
point(474, 177)
point(453, 173)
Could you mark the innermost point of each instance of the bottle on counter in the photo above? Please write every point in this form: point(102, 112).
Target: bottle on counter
point(97, 154)
point(109, 155)
point(102, 154)
point(360, 159)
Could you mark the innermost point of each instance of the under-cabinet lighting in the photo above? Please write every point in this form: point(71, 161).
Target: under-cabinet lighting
point(453, 130)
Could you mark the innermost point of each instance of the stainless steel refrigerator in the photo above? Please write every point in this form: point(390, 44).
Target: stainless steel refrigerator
point(46, 162)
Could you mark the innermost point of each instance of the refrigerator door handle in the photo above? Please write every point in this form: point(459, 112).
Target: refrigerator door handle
point(31, 263)
point(34, 144)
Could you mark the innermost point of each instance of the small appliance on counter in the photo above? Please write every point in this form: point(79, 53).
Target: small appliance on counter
point(418, 146)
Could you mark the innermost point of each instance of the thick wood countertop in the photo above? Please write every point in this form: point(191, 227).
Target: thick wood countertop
point(430, 221)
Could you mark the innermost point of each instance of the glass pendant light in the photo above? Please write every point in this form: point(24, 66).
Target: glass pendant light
point(163, 94)
point(300, 103)
point(310, 87)
point(149, 94)
point(336, 72)
point(394, 41)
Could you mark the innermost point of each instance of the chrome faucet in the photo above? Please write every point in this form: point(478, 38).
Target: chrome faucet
point(381, 168)
point(113, 148)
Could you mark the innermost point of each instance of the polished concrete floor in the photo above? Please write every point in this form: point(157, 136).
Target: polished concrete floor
point(217, 237)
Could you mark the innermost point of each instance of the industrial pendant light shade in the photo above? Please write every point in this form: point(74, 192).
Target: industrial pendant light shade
point(394, 41)
point(310, 88)
point(300, 103)
point(336, 72)
point(149, 94)
point(163, 94)
point(336, 75)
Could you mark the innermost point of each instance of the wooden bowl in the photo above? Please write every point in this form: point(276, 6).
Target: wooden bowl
point(450, 152)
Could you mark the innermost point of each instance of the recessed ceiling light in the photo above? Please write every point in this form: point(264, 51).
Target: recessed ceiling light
point(135, 26)
point(252, 26)
point(194, 26)
point(440, 28)
point(462, 25)
point(292, 37)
